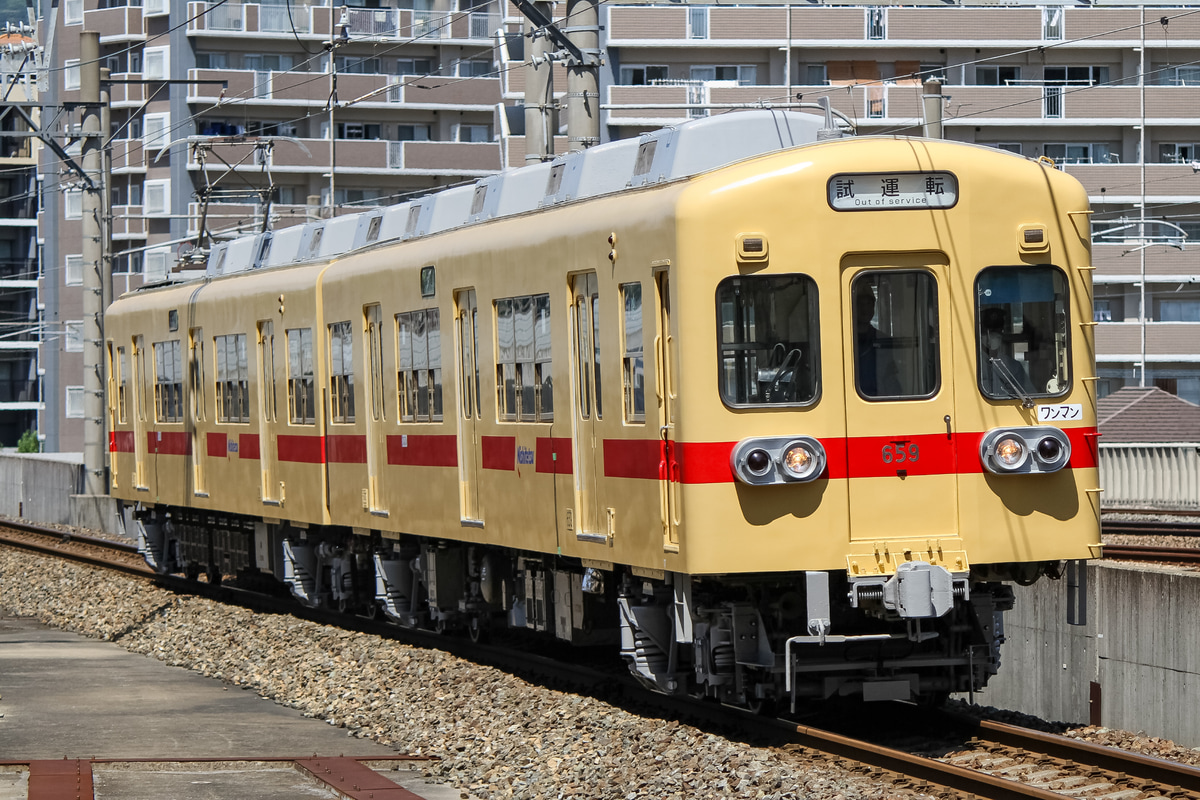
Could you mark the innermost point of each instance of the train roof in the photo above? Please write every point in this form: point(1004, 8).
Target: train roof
point(669, 154)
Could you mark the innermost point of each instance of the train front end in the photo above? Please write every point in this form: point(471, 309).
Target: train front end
point(887, 346)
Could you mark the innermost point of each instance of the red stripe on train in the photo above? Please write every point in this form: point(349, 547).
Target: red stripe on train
point(553, 455)
point(301, 449)
point(498, 452)
point(346, 448)
point(248, 446)
point(122, 441)
point(218, 445)
point(168, 443)
point(632, 458)
point(421, 450)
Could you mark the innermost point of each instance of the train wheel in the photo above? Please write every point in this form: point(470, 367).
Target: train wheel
point(476, 630)
point(372, 610)
point(214, 575)
point(192, 571)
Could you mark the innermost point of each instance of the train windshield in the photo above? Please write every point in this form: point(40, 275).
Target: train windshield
point(768, 340)
point(896, 343)
point(1021, 332)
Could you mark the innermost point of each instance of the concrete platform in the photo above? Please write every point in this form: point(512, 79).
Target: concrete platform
point(63, 696)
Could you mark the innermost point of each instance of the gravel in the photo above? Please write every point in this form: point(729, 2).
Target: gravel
point(525, 741)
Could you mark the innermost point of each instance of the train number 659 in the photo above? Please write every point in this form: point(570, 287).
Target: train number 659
point(899, 453)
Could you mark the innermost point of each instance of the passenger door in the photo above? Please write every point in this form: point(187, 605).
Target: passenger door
point(376, 419)
point(585, 367)
point(664, 384)
point(902, 463)
point(466, 316)
point(196, 386)
point(268, 449)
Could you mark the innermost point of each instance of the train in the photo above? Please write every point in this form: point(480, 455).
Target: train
point(779, 413)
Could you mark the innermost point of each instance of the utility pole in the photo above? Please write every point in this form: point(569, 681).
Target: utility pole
point(931, 103)
point(334, 42)
point(539, 92)
point(95, 482)
point(583, 77)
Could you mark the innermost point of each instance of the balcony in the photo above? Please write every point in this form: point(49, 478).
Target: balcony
point(312, 88)
point(1163, 339)
point(1115, 262)
point(1122, 182)
point(21, 208)
point(387, 24)
point(128, 222)
point(128, 155)
point(366, 157)
point(116, 25)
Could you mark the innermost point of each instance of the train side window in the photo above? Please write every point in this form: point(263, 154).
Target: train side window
point(168, 381)
point(769, 346)
point(196, 382)
point(896, 339)
point(139, 360)
point(266, 360)
point(341, 372)
point(633, 361)
point(122, 384)
point(524, 379)
point(419, 370)
point(233, 378)
point(1021, 324)
point(301, 389)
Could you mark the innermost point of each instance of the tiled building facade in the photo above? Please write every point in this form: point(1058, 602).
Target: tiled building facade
point(430, 95)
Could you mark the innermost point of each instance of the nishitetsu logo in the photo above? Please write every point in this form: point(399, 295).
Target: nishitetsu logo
point(524, 455)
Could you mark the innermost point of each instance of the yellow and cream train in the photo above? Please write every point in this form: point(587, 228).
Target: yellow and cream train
point(776, 410)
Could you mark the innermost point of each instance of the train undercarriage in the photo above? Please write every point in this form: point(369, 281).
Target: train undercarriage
point(765, 640)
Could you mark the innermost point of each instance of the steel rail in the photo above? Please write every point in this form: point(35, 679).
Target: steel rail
point(1155, 555)
point(1110, 759)
point(115, 555)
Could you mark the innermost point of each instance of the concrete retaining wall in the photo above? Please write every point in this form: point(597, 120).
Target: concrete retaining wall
point(38, 486)
point(1139, 646)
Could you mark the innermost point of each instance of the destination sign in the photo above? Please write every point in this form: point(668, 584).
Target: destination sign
point(883, 191)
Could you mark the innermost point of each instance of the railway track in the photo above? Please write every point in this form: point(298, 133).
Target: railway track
point(1182, 527)
point(989, 760)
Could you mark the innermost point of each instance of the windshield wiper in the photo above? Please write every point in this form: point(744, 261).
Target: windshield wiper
point(1006, 373)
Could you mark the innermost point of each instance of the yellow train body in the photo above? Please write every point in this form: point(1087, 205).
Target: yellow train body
point(573, 474)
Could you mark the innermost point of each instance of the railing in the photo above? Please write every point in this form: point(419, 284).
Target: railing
point(483, 24)
point(281, 19)
point(226, 17)
point(373, 21)
point(1052, 100)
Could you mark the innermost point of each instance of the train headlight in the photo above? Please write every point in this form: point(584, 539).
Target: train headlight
point(1009, 451)
point(767, 460)
point(802, 462)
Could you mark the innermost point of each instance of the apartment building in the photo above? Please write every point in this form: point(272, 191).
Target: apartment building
point(247, 106)
point(21, 333)
point(1110, 92)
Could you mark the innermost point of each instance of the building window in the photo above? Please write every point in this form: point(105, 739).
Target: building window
point(156, 132)
point(1179, 76)
point(73, 408)
point(71, 74)
point(341, 372)
point(1177, 153)
point(73, 270)
point(876, 23)
point(642, 76)
point(73, 204)
point(697, 22)
point(73, 336)
point(472, 133)
point(815, 75)
point(156, 197)
point(524, 381)
point(996, 75)
point(212, 61)
point(301, 402)
point(633, 360)
point(168, 382)
point(742, 74)
point(264, 62)
point(357, 130)
point(419, 365)
point(72, 12)
point(414, 66)
point(1052, 24)
point(1087, 153)
point(1010, 147)
point(412, 133)
point(155, 61)
point(156, 265)
point(474, 68)
point(233, 378)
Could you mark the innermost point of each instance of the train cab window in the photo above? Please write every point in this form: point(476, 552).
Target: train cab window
point(302, 408)
point(768, 340)
point(896, 342)
point(1021, 329)
point(341, 372)
point(168, 381)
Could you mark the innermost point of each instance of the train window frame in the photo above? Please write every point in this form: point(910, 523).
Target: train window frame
point(168, 381)
point(122, 385)
point(1021, 370)
point(341, 372)
point(633, 353)
point(302, 406)
point(856, 345)
point(196, 374)
point(266, 364)
point(419, 380)
point(527, 360)
point(727, 350)
point(233, 379)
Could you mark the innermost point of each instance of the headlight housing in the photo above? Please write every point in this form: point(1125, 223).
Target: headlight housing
point(1021, 451)
point(762, 461)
